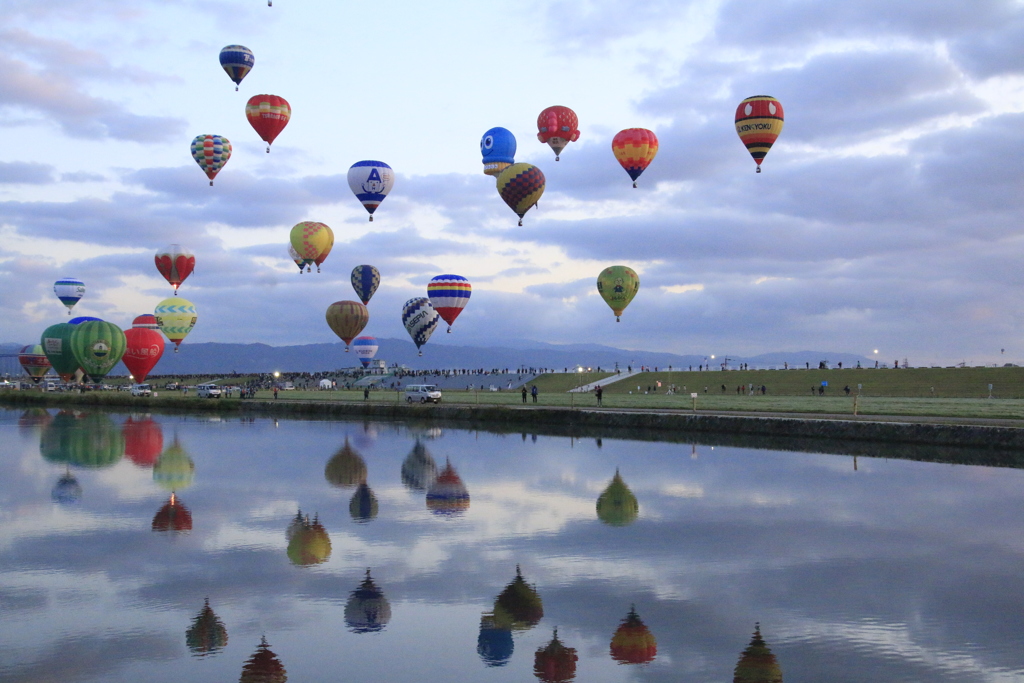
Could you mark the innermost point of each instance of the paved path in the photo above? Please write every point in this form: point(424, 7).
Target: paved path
point(605, 382)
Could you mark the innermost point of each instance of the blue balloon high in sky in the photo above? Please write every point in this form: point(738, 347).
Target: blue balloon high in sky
point(69, 291)
point(365, 280)
point(498, 148)
point(237, 61)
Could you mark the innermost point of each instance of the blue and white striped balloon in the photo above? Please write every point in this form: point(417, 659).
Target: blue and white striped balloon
point(420, 320)
point(69, 291)
point(371, 181)
point(237, 61)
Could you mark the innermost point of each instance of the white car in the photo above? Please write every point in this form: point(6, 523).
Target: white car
point(142, 390)
point(208, 391)
point(422, 393)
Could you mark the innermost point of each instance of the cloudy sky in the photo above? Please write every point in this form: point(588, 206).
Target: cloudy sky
point(887, 216)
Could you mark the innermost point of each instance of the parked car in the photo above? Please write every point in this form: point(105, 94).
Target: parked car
point(142, 390)
point(422, 393)
point(208, 391)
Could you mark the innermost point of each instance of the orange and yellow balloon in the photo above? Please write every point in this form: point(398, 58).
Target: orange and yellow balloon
point(759, 121)
point(635, 149)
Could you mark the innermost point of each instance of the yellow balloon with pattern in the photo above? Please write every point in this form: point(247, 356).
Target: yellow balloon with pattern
point(617, 285)
point(310, 239)
point(521, 186)
point(176, 317)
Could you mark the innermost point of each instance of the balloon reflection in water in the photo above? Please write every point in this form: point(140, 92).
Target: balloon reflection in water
point(419, 471)
point(308, 542)
point(494, 644)
point(143, 441)
point(207, 635)
point(367, 610)
point(633, 642)
point(67, 490)
point(617, 505)
point(174, 469)
point(263, 666)
point(32, 419)
point(90, 441)
point(346, 468)
point(519, 606)
point(757, 663)
point(363, 506)
point(555, 663)
point(173, 516)
point(448, 496)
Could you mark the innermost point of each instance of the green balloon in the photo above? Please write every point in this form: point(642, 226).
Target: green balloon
point(617, 285)
point(617, 505)
point(87, 441)
point(56, 343)
point(98, 346)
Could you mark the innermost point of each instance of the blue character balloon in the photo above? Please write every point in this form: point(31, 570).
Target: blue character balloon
point(498, 147)
point(237, 61)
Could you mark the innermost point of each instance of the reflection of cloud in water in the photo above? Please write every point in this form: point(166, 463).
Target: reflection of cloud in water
point(682, 490)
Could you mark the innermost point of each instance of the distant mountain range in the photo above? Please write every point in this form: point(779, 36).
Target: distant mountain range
point(217, 358)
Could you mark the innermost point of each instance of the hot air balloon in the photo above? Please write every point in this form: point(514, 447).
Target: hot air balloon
point(69, 291)
point(419, 471)
point(174, 469)
point(757, 664)
point(268, 115)
point(635, 148)
point(346, 468)
point(449, 294)
point(172, 516)
point(145, 346)
point(91, 441)
point(98, 346)
point(176, 318)
point(175, 263)
point(211, 152)
point(299, 261)
point(494, 644)
point(518, 607)
point(66, 490)
point(448, 496)
point(237, 61)
point(366, 349)
point(557, 126)
point(759, 121)
point(56, 343)
point(319, 260)
point(498, 149)
point(633, 642)
point(309, 544)
point(207, 635)
point(143, 441)
point(309, 239)
point(555, 663)
point(420, 320)
point(34, 362)
point(617, 506)
point(34, 419)
point(370, 182)
point(521, 186)
point(347, 319)
point(363, 505)
point(263, 666)
point(146, 321)
point(365, 280)
point(367, 610)
point(617, 285)
point(82, 319)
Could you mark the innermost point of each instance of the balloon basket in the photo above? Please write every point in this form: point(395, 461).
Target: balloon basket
point(371, 218)
point(211, 183)
point(617, 319)
point(268, 149)
point(236, 88)
point(520, 222)
point(634, 185)
point(346, 349)
point(421, 353)
point(449, 330)
point(758, 169)
point(557, 158)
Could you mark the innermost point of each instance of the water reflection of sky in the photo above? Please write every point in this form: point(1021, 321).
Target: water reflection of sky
point(898, 571)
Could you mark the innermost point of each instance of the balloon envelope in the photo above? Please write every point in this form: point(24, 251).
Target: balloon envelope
point(365, 280)
point(309, 239)
point(143, 441)
point(449, 294)
point(69, 291)
point(175, 263)
point(635, 149)
point(555, 663)
point(56, 343)
point(82, 319)
point(309, 544)
point(498, 149)
point(371, 181)
point(263, 666)
point(237, 61)
point(211, 152)
point(420, 320)
point(174, 469)
point(347, 319)
point(366, 349)
point(617, 285)
point(363, 505)
point(419, 471)
point(299, 261)
point(173, 516)
point(558, 126)
point(448, 496)
point(633, 642)
point(268, 115)
point(90, 441)
point(176, 318)
point(521, 186)
point(207, 635)
point(144, 348)
point(617, 506)
point(346, 468)
point(367, 609)
point(757, 664)
point(319, 260)
point(98, 346)
point(146, 321)
point(759, 121)
point(34, 362)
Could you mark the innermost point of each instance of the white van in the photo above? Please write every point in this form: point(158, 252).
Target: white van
point(208, 391)
point(142, 390)
point(422, 393)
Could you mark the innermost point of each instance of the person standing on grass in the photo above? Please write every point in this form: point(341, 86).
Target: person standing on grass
point(534, 392)
point(524, 393)
point(275, 393)
point(599, 392)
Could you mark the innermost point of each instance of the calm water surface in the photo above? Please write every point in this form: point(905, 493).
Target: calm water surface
point(158, 548)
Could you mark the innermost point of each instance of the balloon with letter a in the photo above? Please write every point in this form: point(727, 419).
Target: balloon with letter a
point(370, 182)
